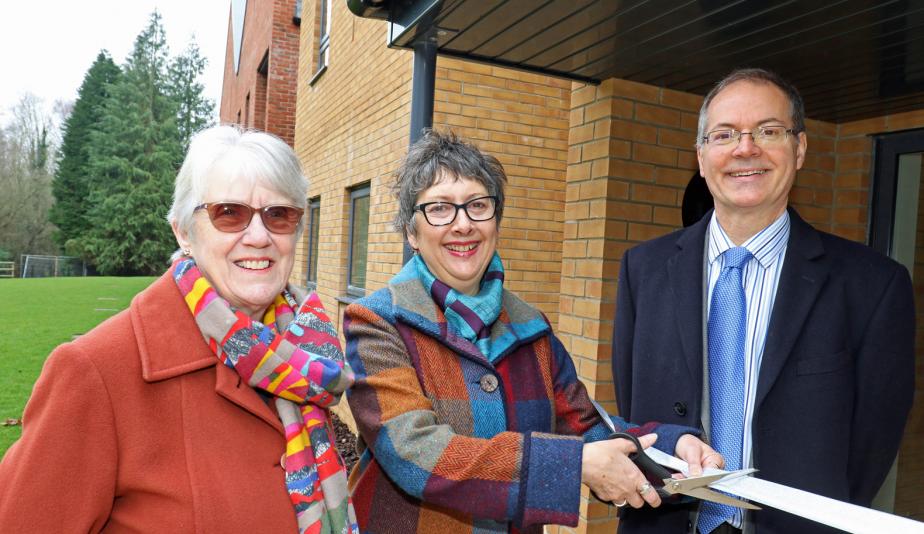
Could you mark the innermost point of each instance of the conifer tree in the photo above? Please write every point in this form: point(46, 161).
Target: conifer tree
point(134, 155)
point(71, 186)
point(194, 111)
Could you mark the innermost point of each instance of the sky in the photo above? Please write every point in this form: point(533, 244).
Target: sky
point(48, 46)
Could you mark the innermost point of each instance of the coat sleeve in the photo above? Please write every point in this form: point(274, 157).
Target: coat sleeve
point(884, 388)
point(524, 478)
point(61, 474)
point(577, 415)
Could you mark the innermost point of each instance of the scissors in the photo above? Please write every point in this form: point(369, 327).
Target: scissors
point(661, 478)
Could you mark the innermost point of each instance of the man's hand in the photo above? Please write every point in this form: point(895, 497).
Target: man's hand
point(697, 454)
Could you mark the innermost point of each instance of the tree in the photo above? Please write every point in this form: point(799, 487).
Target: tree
point(133, 157)
point(25, 179)
point(194, 111)
point(123, 146)
point(71, 186)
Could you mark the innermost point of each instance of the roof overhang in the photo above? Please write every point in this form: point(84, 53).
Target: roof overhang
point(851, 59)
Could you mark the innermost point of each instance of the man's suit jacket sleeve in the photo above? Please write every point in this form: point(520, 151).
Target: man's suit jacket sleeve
point(623, 331)
point(885, 387)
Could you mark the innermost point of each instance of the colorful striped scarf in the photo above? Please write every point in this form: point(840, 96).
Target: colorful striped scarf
point(304, 370)
point(471, 316)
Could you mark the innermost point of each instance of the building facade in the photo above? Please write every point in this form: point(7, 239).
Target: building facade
point(593, 170)
point(261, 57)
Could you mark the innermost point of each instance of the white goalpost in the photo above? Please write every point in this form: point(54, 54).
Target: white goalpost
point(43, 266)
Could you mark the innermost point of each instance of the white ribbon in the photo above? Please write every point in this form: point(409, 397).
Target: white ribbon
point(831, 512)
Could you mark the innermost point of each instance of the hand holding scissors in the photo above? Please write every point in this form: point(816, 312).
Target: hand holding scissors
point(661, 479)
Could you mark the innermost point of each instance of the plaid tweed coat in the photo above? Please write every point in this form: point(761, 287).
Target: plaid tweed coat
point(454, 443)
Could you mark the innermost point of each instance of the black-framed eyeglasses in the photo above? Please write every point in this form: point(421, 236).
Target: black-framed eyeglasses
point(443, 213)
point(762, 136)
point(233, 217)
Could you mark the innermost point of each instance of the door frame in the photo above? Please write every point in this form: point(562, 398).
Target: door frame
point(886, 150)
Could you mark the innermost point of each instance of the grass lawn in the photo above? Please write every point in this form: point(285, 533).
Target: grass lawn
point(38, 314)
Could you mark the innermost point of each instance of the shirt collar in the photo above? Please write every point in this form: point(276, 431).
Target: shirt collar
point(765, 245)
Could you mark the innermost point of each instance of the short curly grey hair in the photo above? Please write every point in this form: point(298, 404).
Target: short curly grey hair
point(758, 76)
point(247, 154)
point(426, 162)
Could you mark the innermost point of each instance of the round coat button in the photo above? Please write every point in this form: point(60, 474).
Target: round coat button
point(488, 383)
point(680, 408)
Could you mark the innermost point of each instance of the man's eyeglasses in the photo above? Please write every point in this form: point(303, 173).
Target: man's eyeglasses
point(443, 213)
point(234, 217)
point(763, 136)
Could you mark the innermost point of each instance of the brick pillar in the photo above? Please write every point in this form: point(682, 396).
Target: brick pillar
point(630, 157)
point(589, 259)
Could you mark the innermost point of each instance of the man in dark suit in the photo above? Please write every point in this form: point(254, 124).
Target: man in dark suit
point(792, 348)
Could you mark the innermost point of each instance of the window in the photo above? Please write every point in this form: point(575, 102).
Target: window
point(323, 42)
point(247, 123)
point(314, 233)
point(359, 241)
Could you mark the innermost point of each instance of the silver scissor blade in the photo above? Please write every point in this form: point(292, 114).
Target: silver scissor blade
point(707, 494)
point(683, 485)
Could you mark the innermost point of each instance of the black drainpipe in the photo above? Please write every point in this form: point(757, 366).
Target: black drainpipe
point(422, 87)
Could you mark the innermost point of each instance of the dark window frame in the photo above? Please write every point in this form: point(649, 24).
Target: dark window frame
point(357, 192)
point(314, 239)
point(322, 57)
point(886, 150)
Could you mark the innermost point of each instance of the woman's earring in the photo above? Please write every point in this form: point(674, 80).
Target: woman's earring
point(187, 252)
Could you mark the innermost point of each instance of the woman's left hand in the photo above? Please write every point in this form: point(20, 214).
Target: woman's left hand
point(697, 454)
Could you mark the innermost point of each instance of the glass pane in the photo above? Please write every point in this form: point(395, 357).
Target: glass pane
point(359, 242)
point(325, 16)
point(314, 220)
point(905, 226)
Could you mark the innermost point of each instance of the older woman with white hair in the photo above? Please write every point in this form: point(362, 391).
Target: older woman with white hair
point(203, 407)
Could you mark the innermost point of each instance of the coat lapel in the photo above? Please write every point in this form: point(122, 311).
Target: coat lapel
point(804, 273)
point(171, 345)
point(229, 385)
point(685, 270)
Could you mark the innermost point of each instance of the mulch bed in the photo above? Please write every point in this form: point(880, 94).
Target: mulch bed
point(346, 442)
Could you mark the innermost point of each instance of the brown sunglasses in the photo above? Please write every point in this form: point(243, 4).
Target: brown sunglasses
point(234, 217)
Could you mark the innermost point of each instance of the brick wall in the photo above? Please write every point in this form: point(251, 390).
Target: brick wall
point(522, 119)
point(268, 29)
point(352, 128)
point(283, 72)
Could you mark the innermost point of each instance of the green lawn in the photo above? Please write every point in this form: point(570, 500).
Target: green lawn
point(36, 315)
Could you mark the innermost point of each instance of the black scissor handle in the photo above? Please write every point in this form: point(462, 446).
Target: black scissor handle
point(653, 471)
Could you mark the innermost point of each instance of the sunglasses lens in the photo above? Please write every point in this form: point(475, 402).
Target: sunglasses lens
point(230, 217)
point(281, 219)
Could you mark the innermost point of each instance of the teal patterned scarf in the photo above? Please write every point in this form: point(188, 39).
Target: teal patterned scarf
point(471, 316)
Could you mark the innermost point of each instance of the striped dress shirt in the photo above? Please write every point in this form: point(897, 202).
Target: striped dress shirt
point(761, 276)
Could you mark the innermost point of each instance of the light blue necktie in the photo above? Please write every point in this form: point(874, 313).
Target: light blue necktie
point(727, 330)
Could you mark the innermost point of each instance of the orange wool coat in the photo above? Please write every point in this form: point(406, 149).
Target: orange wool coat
point(134, 428)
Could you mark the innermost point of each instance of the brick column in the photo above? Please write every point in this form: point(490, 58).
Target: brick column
point(630, 157)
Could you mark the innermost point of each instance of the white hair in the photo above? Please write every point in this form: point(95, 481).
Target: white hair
point(248, 155)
